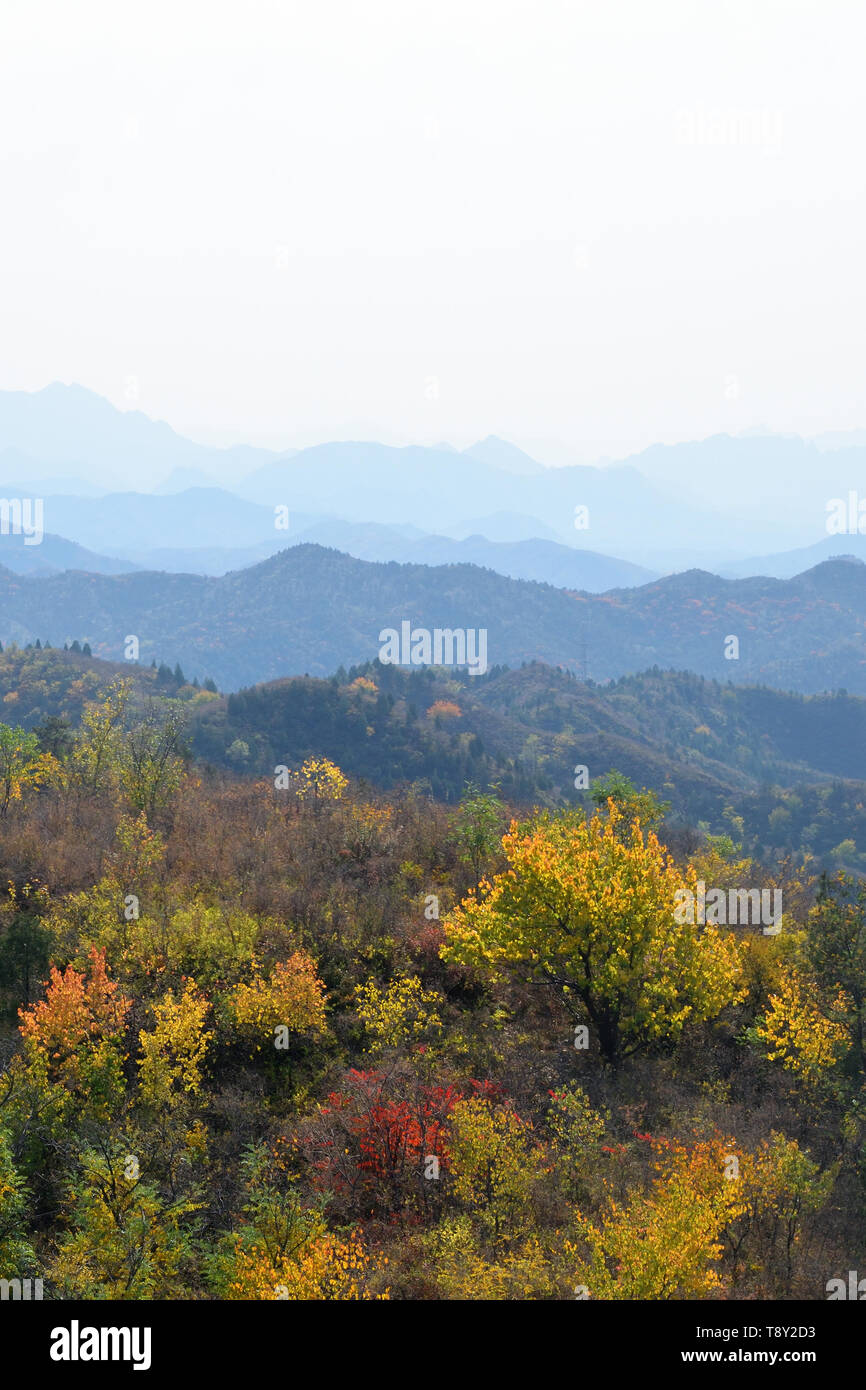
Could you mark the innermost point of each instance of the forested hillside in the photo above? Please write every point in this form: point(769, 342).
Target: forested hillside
point(292, 1037)
point(791, 767)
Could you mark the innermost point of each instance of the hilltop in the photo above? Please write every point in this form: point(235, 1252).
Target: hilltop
point(309, 610)
point(793, 766)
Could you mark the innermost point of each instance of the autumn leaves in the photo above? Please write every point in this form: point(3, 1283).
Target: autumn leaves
point(266, 1085)
point(588, 907)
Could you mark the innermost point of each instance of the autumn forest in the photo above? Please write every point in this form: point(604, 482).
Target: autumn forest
point(293, 1036)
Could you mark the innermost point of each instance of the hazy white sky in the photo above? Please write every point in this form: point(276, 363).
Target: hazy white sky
point(583, 226)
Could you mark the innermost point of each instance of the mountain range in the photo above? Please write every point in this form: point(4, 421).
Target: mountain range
point(311, 609)
point(711, 502)
point(80, 434)
point(153, 531)
point(300, 558)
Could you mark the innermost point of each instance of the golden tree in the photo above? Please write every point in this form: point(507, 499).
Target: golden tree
point(293, 998)
point(588, 907)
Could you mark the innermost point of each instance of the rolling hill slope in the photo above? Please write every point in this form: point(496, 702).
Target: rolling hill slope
point(308, 609)
point(792, 767)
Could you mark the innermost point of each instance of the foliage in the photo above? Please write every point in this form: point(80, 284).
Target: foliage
point(125, 1240)
point(319, 780)
point(666, 1242)
point(798, 1032)
point(16, 1253)
point(172, 1055)
point(403, 1012)
point(22, 765)
point(331, 1046)
point(591, 910)
point(293, 998)
point(493, 1162)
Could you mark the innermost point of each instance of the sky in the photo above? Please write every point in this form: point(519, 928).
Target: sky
point(584, 227)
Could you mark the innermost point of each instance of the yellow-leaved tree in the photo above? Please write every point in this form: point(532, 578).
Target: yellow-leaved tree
point(589, 906)
point(325, 1267)
point(22, 765)
point(808, 1037)
point(319, 780)
point(816, 1021)
point(172, 1055)
point(292, 999)
point(401, 1012)
point(493, 1164)
point(665, 1242)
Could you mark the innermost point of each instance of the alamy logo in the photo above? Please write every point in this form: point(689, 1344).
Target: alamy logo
point(736, 907)
point(846, 516)
point(855, 1289)
point(729, 126)
point(21, 1289)
point(23, 516)
point(76, 1343)
point(445, 646)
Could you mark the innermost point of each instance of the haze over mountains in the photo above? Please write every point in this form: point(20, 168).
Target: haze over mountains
point(81, 434)
point(248, 564)
point(710, 502)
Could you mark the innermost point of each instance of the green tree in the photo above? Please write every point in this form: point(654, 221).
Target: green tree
point(96, 758)
point(22, 764)
point(125, 1240)
point(152, 757)
point(835, 948)
point(632, 804)
point(55, 736)
point(16, 1254)
point(478, 827)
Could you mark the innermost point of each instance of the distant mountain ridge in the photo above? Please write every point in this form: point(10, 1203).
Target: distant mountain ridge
point(711, 502)
point(606, 508)
point(308, 609)
point(121, 523)
point(791, 562)
point(79, 431)
point(546, 562)
point(500, 454)
point(158, 530)
point(54, 554)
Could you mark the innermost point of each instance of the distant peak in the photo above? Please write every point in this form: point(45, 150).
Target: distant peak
point(834, 561)
point(498, 453)
point(70, 388)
